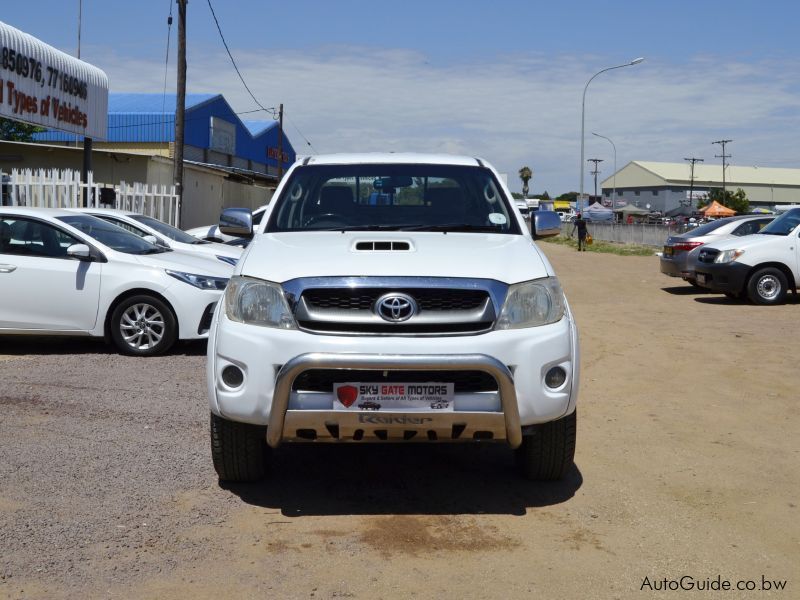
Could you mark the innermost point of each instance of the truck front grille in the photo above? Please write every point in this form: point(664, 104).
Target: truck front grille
point(322, 380)
point(365, 298)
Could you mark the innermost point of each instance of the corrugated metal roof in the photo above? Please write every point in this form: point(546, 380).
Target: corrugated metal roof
point(152, 103)
point(258, 127)
point(734, 174)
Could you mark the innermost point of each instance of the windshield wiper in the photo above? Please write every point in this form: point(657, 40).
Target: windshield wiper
point(200, 242)
point(454, 227)
point(157, 250)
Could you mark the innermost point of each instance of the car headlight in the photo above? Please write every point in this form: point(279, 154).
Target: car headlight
point(257, 302)
point(227, 259)
point(727, 256)
point(204, 282)
point(531, 304)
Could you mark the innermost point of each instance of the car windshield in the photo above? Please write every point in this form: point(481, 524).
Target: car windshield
point(169, 231)
point(110, 235)
point(392, 197)
point(783, 225)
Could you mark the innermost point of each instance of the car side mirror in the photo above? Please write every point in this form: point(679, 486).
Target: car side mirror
point(152, 239)
point(80, 252)
point(237, 222)
point(546, 223)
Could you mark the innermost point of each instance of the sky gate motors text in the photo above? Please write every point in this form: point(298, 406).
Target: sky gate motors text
point(405, 389)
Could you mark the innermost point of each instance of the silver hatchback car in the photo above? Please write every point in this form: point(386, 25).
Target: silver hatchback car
point(676, 258)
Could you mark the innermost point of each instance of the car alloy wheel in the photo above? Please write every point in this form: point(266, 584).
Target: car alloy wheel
point(142, 326)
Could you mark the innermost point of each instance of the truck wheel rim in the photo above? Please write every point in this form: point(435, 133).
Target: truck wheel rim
point(142, 326)
point(768, 287)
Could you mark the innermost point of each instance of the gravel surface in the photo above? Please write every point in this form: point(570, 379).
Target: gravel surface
point(687, 464)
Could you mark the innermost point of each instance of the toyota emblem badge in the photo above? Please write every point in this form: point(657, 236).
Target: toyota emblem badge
point(396, 308)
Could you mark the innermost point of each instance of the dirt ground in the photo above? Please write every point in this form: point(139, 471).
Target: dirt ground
point(688, 465)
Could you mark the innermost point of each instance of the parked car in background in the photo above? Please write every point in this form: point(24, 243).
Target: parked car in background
point(213, 234)
point(522, 206)
point(67, 273)
point(763, 267)
point(677, 259)
point(165, 235)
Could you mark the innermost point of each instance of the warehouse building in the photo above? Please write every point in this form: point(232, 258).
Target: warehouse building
point(665, 187)
point(214, 136)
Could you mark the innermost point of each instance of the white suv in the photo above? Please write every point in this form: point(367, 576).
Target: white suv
point(432, 316)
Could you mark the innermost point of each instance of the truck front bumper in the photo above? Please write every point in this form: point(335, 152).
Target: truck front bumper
point(271, 360)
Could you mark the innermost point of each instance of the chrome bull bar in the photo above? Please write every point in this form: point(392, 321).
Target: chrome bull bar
point(393, 426)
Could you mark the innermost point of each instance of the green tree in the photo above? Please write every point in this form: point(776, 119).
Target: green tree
point(525, 174)
point(568, 197)
point(14, 131)
point(734, 200)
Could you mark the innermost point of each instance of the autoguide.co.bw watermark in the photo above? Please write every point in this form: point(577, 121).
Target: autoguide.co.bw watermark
point(708, 584)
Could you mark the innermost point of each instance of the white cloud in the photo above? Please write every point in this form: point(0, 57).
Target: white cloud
point(511, 110)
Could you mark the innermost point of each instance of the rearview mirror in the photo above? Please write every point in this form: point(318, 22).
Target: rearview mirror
point(546, 223)
point(237, 222)
point(79, 251)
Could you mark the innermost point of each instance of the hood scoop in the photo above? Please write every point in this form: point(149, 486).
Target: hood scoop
point(382, 246)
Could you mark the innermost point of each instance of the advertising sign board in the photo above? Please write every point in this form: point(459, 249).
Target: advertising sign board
point(43, 86)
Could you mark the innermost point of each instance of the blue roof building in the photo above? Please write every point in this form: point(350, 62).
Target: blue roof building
point(214, 134)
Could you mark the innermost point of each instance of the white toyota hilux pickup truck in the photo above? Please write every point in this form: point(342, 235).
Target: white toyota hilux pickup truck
point(431, 316)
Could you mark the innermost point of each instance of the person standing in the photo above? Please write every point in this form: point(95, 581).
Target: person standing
point(580, 225)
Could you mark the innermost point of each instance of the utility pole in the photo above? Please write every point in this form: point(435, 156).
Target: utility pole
point(723, 156)
point(280, 142)
point(180, 106)
point(86, 167)
point(692, 161)
point(596, 161)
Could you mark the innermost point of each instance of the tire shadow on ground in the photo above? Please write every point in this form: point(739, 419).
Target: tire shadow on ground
point(722, 300)
point(685, 290)
point(41, 345)
point(391, 479)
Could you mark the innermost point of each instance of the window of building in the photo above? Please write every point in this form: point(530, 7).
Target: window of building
point(636, 193)
point(655, 192)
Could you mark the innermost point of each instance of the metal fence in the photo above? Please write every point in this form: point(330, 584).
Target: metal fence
point(624, 233)
point(55, 188)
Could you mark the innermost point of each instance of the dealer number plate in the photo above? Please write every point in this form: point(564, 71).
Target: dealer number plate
point(427, 396)
point(701, 278)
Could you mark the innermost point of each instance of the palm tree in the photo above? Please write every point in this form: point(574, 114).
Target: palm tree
point(525, 174)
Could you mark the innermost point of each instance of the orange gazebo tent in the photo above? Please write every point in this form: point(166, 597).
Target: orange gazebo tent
point(715, 209)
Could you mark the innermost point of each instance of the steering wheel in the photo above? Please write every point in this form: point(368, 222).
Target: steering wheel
point(321, 217)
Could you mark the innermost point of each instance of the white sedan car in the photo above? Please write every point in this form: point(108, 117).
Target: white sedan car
point(165, 234)
point(212, 232)
point(74, 274)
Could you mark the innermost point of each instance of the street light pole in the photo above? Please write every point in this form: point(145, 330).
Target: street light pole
point(635, 61)
point(613, 177)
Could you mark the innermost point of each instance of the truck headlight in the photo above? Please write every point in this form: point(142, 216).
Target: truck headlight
point(727, 256)
point(204, 282)
point(531, 304)
point(257, 302)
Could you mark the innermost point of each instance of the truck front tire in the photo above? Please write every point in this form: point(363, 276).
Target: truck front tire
point(767, 286)
point(239, 450)
point(547, 453)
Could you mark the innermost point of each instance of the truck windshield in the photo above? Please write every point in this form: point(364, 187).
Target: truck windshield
point(392, 197)
point(783, 225)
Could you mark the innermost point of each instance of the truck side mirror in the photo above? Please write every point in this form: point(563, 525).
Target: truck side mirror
point(237, 222)
point(546, 223)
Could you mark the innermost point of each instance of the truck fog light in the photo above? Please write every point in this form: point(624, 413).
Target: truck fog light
point(232, 376)
point(555, 377)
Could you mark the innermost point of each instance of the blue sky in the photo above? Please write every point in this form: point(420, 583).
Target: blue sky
point(502, 80)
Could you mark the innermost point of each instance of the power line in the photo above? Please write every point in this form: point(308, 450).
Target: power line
point(300, 133)
point(233, 62)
